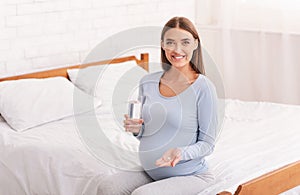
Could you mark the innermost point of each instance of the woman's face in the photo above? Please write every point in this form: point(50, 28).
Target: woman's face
point(179, 45)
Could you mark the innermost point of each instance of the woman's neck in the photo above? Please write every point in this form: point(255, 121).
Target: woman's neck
point(179, 74)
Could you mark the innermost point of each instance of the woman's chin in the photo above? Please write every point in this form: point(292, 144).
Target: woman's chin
point(178, 65)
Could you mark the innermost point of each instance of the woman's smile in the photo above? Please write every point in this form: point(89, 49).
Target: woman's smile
point(178, 58)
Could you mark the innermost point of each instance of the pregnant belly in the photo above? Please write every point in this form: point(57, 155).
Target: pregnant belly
point(149, 153)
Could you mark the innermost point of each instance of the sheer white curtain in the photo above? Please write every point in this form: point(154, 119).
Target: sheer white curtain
point(258, 47)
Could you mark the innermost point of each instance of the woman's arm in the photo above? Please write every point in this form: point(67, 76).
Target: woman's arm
point(207, 124)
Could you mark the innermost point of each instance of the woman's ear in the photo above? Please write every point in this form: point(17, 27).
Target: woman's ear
point(196, 44)
point(162, 44)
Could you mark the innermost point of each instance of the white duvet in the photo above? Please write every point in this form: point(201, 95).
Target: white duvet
point(257, 137)
point(51, 159)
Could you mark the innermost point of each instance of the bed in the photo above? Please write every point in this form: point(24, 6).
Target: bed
point(258, 151)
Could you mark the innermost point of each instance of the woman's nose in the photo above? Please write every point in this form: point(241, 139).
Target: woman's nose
point(177, 48)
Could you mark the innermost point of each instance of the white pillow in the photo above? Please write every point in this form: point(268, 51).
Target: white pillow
point(114, 84)
point(27, 103)
point(107, 80)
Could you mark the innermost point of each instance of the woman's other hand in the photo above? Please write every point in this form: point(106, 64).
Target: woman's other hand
point(170, 158)
point(132, 125)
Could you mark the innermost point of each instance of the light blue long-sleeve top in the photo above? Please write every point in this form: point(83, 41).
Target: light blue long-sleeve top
point(187, 121)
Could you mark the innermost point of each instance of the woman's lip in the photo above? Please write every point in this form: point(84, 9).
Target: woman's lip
point(178, 57)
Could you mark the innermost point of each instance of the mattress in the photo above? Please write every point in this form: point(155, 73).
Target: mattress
point(256, 137)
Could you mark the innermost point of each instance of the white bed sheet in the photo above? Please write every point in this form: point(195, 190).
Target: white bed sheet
point(257, 137)
point(51, 159)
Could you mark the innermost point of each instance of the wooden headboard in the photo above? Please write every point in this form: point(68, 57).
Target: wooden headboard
point(143, 62)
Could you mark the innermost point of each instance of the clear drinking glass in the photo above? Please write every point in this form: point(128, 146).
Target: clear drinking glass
point(135, 108)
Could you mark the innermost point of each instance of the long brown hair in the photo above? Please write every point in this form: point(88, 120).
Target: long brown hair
point(185, 24)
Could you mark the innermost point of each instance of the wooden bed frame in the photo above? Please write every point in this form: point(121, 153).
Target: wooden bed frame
point(272, 183)
point(143, 62)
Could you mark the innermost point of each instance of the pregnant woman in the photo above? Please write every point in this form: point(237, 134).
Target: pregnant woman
point(179, 122)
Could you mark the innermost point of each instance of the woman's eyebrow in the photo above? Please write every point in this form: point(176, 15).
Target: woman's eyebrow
point(169, 39)
point(186, 39)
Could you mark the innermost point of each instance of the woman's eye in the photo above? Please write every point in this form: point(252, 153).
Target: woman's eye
point(169, 43)
point(186, 43)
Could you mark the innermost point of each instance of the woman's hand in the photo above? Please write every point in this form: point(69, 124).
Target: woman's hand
point(170, 158)
point(132, 125)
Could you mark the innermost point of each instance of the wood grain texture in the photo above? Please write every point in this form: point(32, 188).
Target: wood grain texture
point(272, 183)
point(143, 62)
point(224, 193)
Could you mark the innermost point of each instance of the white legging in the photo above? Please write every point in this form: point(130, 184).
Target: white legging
point(139, 183)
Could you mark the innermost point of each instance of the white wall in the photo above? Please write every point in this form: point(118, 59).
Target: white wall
point(255, 45)
point(41, 34)
point(256, 65)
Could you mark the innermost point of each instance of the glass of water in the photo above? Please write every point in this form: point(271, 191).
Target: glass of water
point(135, 108)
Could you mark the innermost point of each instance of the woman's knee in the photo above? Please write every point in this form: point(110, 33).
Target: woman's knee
point(122, 183)
point(143, 190)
